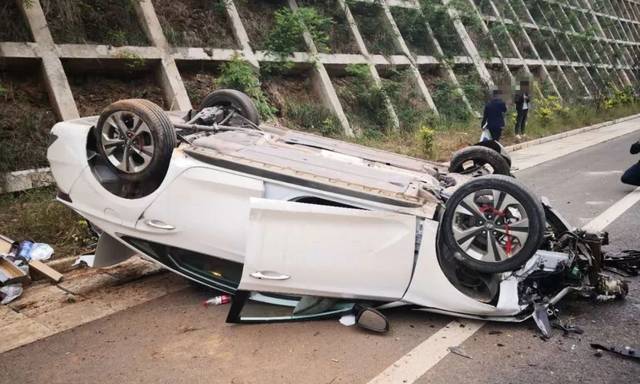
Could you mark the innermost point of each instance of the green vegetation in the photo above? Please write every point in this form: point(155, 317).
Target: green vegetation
point(474, 26)
point(413, 28)
point(549, 116)
point(286, 35)
point(340, 35)
point(412, 111)
point(426, 139)
point(363, 101)
point(312, 117)
point(133, 61)
point(442, 25)
point(239, 74)
point(472, 86)
point(374, 27)
point(35, 215)
point(449, 101)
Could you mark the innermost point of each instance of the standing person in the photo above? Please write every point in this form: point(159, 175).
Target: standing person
point(632, 175)
point(523, 103)
point(493, 116)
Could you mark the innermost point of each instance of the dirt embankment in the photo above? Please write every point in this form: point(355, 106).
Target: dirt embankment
point(195, 23)
point(12, 24)
point(94, 92)
point(25, 121)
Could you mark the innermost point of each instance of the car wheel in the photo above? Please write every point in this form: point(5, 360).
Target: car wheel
point(478, 161)
point(235, 101)
point(136, 138)
point(493, 224)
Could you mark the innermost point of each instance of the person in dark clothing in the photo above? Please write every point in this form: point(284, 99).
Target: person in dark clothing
point(493, 116)
point(523, 103)
point(632, 175)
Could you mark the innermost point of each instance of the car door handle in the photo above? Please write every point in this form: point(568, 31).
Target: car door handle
point(159, 224)
point(266, 275)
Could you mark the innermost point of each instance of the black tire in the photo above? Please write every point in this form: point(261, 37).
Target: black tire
point(235, 99)
point(161, 135)
point(470, 159)
point(490, 223)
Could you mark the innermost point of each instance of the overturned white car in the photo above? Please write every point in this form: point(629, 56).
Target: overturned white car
point(311, 223)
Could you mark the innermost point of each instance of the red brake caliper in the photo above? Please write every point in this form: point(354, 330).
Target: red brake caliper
point(508, 247)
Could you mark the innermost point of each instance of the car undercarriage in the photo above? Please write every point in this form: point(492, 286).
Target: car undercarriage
point(318, 227)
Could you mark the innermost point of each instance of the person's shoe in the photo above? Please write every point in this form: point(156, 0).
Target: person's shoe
point(518, 138)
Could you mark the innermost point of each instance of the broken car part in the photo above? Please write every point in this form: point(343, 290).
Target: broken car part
point(372, 320)
point(626, 351)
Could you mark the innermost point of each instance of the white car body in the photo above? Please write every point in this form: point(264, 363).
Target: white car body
point(380, 245)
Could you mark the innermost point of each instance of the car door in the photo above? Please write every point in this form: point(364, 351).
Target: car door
point(327, 251)
point(204, 210)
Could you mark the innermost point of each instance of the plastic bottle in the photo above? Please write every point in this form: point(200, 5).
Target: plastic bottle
point(218, 300)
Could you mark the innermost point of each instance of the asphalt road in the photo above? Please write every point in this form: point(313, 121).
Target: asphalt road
point(175, 339)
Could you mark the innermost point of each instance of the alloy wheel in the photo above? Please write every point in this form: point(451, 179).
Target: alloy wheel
point(490, 225)
point(127, 141)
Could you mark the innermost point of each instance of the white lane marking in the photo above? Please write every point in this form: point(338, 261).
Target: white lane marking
point(595, 203)
point(419, 360)
point(604, 173)
point(542, 153)
point(425, 356)
point(613, 212)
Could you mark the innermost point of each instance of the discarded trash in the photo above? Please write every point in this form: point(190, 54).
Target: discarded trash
point(86, 260)
point(25, 249)
point(626, 264)
point(11, 272)
point(625, 351)
point(348, 320)
point(567, 328)
point(458, 351)
point(40, 252)
point(218, 300)
point(8, 293)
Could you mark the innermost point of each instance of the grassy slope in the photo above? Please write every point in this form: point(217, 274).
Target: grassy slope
point(35, 215)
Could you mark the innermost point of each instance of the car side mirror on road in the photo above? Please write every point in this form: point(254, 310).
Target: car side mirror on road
point(372, 320)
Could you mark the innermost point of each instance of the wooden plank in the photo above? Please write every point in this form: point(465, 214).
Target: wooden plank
point(10, 274)
point(5, 245)
point(43, 269)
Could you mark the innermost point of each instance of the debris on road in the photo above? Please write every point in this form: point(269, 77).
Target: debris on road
point(18, 261)
point(626, 263)
point(40, 252)
point(541, 318)
point(348, 320)
point(38, 267)
point(457, 350)
point(13, 271)
point(10, 271)
point(218, 300)
point(626, 351)
point(567, 327)
point(85, 260)
point(8, 293)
